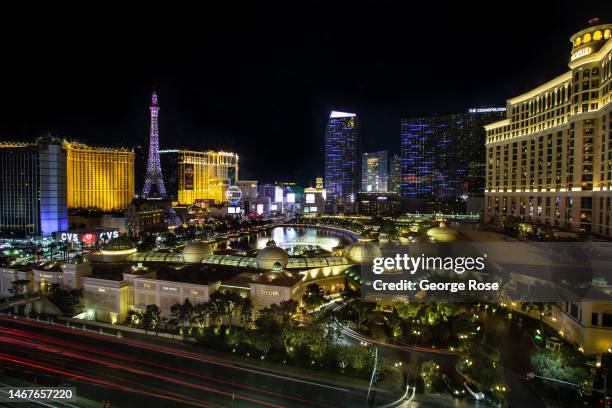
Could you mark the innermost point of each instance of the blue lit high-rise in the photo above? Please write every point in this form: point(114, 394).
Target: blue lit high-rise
point(443, 157)
point(342, 137)
point(417, 165)
point(33, 189)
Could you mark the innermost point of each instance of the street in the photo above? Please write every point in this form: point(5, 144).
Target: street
point(512, 341)
point(131, 373)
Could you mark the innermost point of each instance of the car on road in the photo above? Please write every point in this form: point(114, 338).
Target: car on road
point(474, 391)
point(453, 387)
point(602, 402)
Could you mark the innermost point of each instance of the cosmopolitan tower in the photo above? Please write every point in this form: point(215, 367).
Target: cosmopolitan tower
point(154, 183)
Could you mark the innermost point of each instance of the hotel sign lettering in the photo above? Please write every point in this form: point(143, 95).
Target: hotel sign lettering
point(580, 53)
point(189, 176)
point(267, 292)
point(486, 110)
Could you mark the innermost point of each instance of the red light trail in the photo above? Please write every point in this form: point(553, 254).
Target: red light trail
point(49, 351)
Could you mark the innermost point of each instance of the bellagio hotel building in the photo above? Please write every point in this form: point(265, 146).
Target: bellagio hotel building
point(550, 160)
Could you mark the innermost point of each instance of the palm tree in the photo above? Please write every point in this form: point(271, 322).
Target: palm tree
point(133, 318)
point(182, 313)
point(201, 312)
point(245, 310)
point(362, 310)
point(175, 314)
point(187, 312)
point(287, 308)
point(217, 308)
point(53, 247)
point(152, 318)
point(18, 288)
point(313, 297)
point(232, 303)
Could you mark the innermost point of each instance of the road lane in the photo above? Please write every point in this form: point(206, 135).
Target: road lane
point(160, 373)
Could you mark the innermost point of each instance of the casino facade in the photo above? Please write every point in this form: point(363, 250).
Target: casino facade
point(550, 160)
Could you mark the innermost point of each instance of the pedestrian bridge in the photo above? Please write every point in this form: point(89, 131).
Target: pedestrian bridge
point(19, 302)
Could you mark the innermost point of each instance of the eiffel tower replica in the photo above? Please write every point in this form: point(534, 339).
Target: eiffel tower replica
point(154, 183)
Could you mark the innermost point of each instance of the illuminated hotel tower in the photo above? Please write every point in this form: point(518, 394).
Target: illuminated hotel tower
point(375, 172)
point(153, 179)
point(98, 177)
point(443, 156)
point(194, 177)
point(395, 174)
point(33, 188)
point(550, 160)
point(342, 158)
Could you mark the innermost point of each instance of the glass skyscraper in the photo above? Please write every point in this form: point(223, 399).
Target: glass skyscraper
point(33, 188)
point(342, 137)
point(395, 174)
point(443, 156)
point(374, 171)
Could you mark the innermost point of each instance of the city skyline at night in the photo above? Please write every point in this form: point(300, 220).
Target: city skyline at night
point(230, 85)
point(344, 204)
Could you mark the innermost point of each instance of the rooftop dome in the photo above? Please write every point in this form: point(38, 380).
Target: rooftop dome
point(118, 249)
point(195, 252)
point(272, 257)
point(362, 252)
point(121, 243)
point(442, 233)
point(77, 260)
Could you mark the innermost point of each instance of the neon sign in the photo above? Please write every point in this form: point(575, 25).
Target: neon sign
point(485, 110)
point(86, 237)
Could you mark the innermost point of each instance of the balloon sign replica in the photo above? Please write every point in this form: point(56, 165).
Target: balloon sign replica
point(233, 194)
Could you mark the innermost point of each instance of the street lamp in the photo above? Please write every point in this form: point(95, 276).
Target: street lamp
point(605, 390)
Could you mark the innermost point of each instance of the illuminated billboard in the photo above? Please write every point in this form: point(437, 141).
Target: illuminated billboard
point(278, 195)
point(188, 173)
point(87, 237)
point(310, 198)
point(291, 197)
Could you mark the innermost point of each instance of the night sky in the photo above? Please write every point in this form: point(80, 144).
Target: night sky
point(261, 80)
